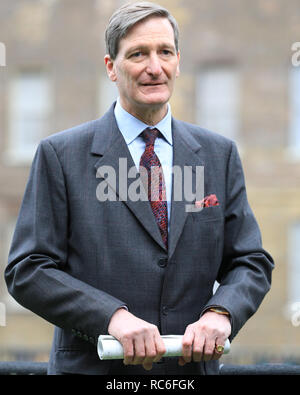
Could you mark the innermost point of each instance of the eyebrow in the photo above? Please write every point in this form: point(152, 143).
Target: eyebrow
point(142, 47)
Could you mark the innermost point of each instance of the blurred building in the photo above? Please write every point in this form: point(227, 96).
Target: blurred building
point(237, 78)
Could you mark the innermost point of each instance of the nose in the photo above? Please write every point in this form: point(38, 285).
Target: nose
point(154, 67)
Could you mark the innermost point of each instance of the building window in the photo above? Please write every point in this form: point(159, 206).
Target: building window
point(293, 273)
point(294, 104)
point(29, 115)
point(217, 100)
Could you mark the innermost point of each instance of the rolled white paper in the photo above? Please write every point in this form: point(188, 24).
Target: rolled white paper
point(110, 348)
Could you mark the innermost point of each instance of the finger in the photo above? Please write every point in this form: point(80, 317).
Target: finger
point(128, 348)
point(181, 361)
point(209, 349)
point(219, 344)
point(139, 350)
point(187, 344)
point(198, 347)
point(150, 349)
point(160, 348)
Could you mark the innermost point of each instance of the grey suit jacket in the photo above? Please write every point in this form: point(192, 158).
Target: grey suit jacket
point(74, 259)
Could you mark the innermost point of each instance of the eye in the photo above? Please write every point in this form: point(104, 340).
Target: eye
point(136, 54)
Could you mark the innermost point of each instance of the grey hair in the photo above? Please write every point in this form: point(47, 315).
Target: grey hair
point(129, 15)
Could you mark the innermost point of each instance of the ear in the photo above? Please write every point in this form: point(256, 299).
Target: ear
point(178, 69)
point(109, 63)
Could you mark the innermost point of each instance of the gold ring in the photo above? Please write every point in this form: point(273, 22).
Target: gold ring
point(219, 348)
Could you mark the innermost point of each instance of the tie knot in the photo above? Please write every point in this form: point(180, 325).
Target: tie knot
point(149, 135)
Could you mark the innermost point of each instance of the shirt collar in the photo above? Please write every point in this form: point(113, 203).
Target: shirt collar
point(131, 127)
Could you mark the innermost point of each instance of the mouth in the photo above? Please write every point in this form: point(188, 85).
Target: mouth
point(153, 84)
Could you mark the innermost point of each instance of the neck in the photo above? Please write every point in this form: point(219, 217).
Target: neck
point(149, 115)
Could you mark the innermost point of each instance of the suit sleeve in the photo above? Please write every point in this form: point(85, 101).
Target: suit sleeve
point(245, 272)
point(35, 273)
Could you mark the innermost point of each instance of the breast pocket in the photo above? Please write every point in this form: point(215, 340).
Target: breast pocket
point(208, 214)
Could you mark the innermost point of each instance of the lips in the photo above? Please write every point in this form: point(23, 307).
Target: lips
point(153, 84)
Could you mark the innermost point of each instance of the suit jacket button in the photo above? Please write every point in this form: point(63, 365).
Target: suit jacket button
point(165, 310)
point(162, 262)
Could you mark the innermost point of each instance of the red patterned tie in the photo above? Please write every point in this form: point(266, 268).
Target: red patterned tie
point(156, 183)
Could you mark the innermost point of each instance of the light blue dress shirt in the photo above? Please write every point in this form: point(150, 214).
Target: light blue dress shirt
point(131, 128)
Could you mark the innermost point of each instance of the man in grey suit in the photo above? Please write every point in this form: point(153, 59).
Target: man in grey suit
point(92, 259)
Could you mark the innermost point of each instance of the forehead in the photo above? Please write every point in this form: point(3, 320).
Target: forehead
point(152, 29)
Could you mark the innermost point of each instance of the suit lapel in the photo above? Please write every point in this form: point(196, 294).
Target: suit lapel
point(111, 148)
point(187, 152)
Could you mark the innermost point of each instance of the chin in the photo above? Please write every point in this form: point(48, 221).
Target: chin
point(155, 100)
point(154, 95)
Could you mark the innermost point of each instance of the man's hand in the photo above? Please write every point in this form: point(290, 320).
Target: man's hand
point(141, 340)
point(201, 337)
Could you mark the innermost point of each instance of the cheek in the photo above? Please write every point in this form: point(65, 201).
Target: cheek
point(171, 71)
point(126, 78)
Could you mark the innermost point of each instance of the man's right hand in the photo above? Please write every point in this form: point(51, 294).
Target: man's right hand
point(141, 340)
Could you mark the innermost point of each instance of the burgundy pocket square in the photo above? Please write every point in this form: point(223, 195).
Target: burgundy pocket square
point(208, 201)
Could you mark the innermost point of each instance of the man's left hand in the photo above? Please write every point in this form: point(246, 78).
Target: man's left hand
point(201, 338)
